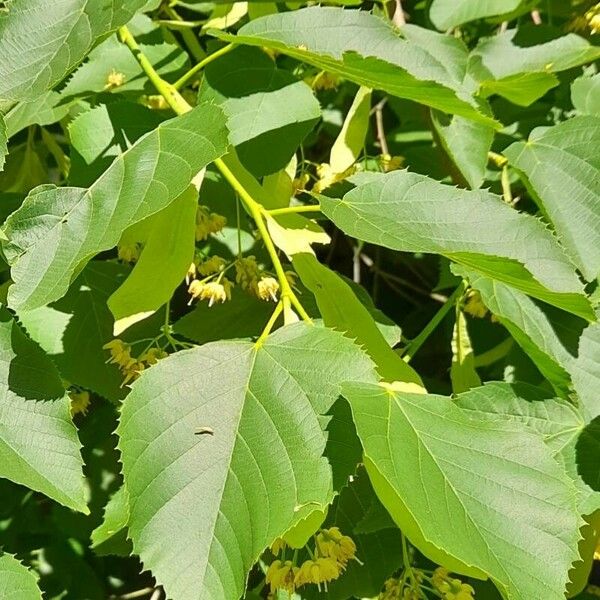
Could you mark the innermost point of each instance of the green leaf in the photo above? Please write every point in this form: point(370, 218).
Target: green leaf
point(350, 142)
point(110, 537)
point(38, 441)
point(3, 142)
point(56, 230)
point(446, 14)
point(269, 112)
point(101, 134)
point(39, 47)
point(585, 371)
point(17, 582)
point(511, 65)
point(563, 168)
point(585, 95)
point(588, 449)
point(462, 370)
point(344, 41)
point(342, 310)
point(549, 337)
point(413, 213)
point(445, 478)
point(467, 143)
point(74, 329)
point(163, 263)
point(258, 471)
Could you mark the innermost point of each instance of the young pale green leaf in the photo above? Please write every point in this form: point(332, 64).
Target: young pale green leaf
point(222, 452)
point(467, 143)
point(350, 142)
point(341, 310)
point(549, 337)
point(38, 441)
point(562, 166)
point(445, 478)
point(57, 230)
point(413, 213)
point(446, 14)
point(269, 112)
point(17, 582)
point(524, 72)
point(39, 47)
point(585, 95)
point(165, 259)
point(585, 371)
point(423, 66)
point(462, 370)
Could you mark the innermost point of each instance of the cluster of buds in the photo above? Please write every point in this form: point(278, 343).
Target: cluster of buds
point(80, 402)
point(473, 304)
point(390, 163)
point(329, 560)
point(131, 367)
point(114, 80)
point(208, 222)
point(449, 587)
point(251, 278)
point(129, 252)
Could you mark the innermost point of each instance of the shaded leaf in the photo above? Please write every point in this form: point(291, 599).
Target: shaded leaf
point(446, 14)
point(585, 95)
point(17, 582)
point(462, 370)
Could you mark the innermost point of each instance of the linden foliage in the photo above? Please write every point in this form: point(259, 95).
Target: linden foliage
point(299, 300)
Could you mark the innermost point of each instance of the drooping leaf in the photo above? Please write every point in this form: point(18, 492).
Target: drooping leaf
point(549, 337)
point(467, 143)
point(17, 582)
point(341, 310)
point(446, 14)
point(445, 479)
point(585, 95)
point(221, 448)
point(413, 213)
point(462, 370)
point(38, 441)
point(365, 49)
point(562, 166)
point(58, 229)
point(269, 112)
point(39, 47)
point(164, 261)
point(508, 64)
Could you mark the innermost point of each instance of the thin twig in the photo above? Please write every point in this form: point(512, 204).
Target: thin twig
point(136, 594)
point(380, 130)
point(535, 17)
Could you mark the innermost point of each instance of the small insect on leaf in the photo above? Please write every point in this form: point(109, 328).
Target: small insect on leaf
point(204, 430)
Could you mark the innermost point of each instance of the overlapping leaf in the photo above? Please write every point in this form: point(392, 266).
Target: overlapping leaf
point(38, 442)
point(445, 478)
point(585, 95)
point(445, 14)
point(17, 582)
point(423, 66)
point(413, 213)
point(585, 371)
point(562, 165)
point(222, 452)
point(39, 47)
point(55, 232)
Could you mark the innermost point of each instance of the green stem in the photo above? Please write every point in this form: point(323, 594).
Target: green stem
point(270, 324)
point(197, 68)
point(416, 344)
point(505, 180)
point(178, 103)
point(189, 37)
point(295, 209)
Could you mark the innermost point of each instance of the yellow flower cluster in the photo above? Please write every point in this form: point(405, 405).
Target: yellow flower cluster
point(450, 587)
point(592, 17)
point(114, 79)
point(327, 176)
point(473, 304)
point(208, 222)
point(131, 367)
point(213, 291)
point(267, 289)
point(332, 553)
point(129, 253)
point(80, 402)
point(391, 163)
point(249, 277)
